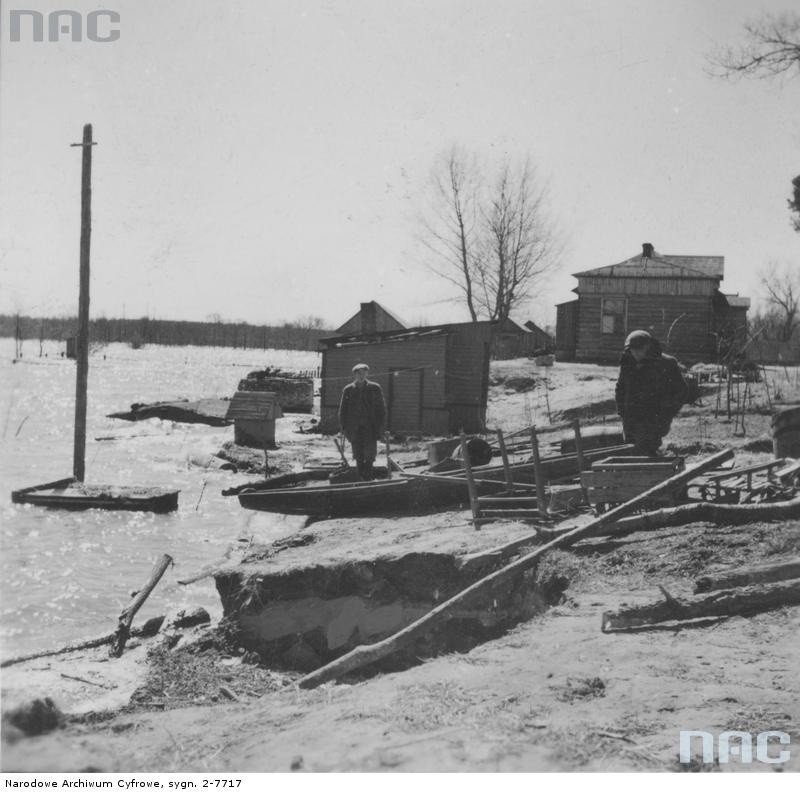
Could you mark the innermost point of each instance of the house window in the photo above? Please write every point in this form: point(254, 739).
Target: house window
point(612, 316)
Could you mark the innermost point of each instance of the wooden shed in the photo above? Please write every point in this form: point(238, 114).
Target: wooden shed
point(675, 297)
point(435, 379)
point(253, 414)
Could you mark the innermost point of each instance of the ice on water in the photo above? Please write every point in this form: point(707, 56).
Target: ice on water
point(67, 575)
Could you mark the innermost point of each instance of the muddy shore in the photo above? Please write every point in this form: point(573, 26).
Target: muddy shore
point(553, 693)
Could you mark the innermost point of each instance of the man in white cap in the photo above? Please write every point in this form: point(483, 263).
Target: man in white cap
point(362, 413)
point(649, 393)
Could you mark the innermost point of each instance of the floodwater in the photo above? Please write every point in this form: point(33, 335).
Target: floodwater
point(67, 575)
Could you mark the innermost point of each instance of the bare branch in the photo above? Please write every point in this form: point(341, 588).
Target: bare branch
point(782, 287)
point(771, 48)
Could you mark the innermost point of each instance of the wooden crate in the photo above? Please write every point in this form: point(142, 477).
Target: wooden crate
point(615, 480)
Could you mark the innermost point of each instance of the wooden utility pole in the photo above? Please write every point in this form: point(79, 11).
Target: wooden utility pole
point(82, 342)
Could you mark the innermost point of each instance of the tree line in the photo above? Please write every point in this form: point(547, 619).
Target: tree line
point(302, 334)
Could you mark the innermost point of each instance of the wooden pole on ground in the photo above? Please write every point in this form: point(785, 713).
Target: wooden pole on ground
point(82, 341)
point(723, 603)
point(388, 455)
point(366, 654)
point(538, 473)
point(126, 617)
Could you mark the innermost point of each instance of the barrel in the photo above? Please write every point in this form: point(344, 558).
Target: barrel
point(786, 433)
point(479, 451)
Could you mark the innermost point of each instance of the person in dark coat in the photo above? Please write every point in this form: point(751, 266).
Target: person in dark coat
point(362, 413)
point(649, 393)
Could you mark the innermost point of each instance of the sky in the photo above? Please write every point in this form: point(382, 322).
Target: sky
point(266, 161)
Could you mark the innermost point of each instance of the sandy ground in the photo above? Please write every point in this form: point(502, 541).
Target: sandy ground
point(554, 694)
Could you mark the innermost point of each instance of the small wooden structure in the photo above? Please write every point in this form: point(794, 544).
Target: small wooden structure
point(253, 414)
point(676, 298)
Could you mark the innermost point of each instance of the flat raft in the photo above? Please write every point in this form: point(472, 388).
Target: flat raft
point(70, 494)
point(306, 493)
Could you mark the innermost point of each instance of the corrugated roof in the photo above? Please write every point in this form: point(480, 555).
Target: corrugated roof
point(255, 405)
point(662, 266)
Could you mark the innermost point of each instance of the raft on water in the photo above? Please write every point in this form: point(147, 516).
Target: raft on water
point(69, 493)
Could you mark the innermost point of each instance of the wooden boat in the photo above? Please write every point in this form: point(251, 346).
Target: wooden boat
point(404, 494)
point(69, 493)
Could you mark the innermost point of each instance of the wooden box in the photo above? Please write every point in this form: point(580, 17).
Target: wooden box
point(254, 414)
point(615, 480)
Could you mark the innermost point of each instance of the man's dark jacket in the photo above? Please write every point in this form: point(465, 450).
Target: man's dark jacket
point(652, 391)
point(362, 406)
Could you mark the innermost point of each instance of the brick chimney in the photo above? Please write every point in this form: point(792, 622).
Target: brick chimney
point(369, 318)
point(647, 250)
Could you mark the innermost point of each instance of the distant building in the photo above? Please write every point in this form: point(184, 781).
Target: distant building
point(514, 340)
point(435, 379)
point(371, 318)
point(676, 298)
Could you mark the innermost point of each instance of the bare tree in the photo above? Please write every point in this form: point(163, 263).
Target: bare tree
point(491, 238)
point(450, 224)
point(771, 48)
point(794, 203)
point(782, 287)
point(521, 245)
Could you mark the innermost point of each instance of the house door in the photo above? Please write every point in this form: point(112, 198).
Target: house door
point(405, 400)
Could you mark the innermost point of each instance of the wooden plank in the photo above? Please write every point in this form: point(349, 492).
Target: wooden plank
point(750, 469)
point(506, 499)
point(471, 489)
point(538, 470)
point(510, 514)
point(614, 478)
point(504, 455)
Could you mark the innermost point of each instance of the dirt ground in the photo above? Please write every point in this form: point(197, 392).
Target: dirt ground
point(554, 694)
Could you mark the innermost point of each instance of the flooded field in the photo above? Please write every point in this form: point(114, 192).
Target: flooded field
point(67, 575)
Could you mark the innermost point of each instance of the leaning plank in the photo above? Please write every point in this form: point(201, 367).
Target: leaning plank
point(127, 615)
point(743, 576)
point(366, 654)
point(725, 603)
